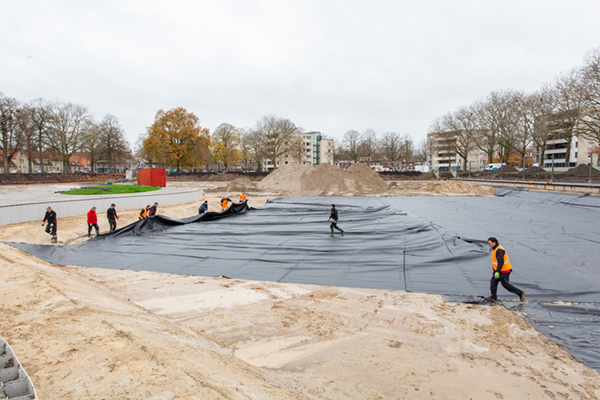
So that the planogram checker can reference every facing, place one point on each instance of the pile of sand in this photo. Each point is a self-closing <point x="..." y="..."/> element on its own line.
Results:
<point x="442" y="188"/>
<point x="581" y="170"/>
<point x="324" y="180"/>
<point x="242" y="184"/>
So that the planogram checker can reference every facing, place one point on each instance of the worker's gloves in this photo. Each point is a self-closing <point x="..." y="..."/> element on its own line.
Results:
<point x="496" y="275"/>
<point x="42" y="224"/>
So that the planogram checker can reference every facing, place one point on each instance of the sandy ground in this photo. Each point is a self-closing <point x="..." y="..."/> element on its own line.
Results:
<point x="87" y="333"/>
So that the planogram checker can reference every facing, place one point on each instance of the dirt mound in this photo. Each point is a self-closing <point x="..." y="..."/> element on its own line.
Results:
<point x="506" y="169"/>
<point x="323" y="179"/>
<point x="242" y="184"/>
<point x="581" y="170"/>
<point x="534" y="170"/>
<point x="442" y="188"/>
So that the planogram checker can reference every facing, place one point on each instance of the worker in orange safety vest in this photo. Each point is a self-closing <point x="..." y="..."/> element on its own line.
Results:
<point x="502" y="268"/>
<point x="243" y="197"/>
<point x="225" y="202"/>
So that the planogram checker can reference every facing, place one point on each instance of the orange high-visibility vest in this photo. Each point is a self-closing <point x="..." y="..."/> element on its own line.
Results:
<point x="143" y="214"/>
<point x="243" y="197"/>
<point x="506" y="266"/>
<point x="224" y="204"/>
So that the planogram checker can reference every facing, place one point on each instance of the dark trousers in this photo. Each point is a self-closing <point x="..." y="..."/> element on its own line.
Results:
<point x="51" y="229"/>
<point x="504" y="280"/>
<point x="113" y="224"/>
<point x="334" y="225"/>
<point x="90" y="229"/>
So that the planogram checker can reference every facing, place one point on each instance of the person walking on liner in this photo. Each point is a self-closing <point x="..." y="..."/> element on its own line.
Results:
<point x="112" y="216"/>
<point x="50" y="217"/>
<point x="334" y="219"/>
<point x="502" y="268"/>
<point x="92" y="221"/>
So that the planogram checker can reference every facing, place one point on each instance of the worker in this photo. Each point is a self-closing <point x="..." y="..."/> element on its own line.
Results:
<point x="203" y="207"/>
<point x="92" y="221"/>
<point x="334" y="219"/>
<point x="502" y="268"/>
<point x="152" y="211"/>
<point x="225" y="203"/>
<point x="50" y="217"/>
<point x="112" y="216"/>
<point x="144" y="212"/>
<point x="243" y="197"/>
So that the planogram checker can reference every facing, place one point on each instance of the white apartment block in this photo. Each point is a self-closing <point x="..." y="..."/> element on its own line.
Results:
<point x="442" y="156"/>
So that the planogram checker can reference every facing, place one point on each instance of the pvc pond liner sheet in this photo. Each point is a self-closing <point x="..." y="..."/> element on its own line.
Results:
<point x="434" y="245"/>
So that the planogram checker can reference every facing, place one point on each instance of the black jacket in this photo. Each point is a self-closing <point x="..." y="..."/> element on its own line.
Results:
<point x="111" y="213"/>
<point x="334" y="214"/>
<point x="50" y="217"/>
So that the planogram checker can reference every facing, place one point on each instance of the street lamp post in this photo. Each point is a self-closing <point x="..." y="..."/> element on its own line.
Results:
<point x="552" y="174"/>
<point x="469" y="169"/>
<point x="591" y="161"/>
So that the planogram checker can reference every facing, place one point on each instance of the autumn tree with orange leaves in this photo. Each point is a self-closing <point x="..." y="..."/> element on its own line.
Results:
<point x="176" y="139"/>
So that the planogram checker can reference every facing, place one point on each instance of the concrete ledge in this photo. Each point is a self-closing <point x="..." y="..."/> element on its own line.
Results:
<point x="553" y="187"/>
<point x="14" y="214"/>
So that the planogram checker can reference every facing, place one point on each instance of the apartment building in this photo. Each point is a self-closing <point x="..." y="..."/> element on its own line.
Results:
<point x="314" y="149"/>
<point x="442" y="155"/>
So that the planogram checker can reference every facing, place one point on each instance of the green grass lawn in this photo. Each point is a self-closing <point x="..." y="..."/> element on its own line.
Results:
<point x="113" y="189"/>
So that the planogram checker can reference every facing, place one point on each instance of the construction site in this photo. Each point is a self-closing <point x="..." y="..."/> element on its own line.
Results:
<point x="258" y="301"/>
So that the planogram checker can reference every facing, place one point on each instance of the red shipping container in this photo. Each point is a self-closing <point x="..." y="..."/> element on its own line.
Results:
<point x="152" y="177"/>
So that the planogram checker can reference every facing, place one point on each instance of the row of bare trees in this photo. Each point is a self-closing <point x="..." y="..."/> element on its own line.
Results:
<point x="509" y="122"/>
<point x="368" y="145"/>
<point x="65" y="129"/>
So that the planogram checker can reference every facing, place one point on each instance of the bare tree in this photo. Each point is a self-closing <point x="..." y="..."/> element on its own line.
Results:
<point x="529" y="106"/>
<point x="352" y="141"/>
<point x="589" y="96"/>
<point x="566" y="107"/>
<point x="113" y="145"/>
<point x="421" y="151"/>
<point x="10" y="138"/>
<point x="497" y="120"/>
<point x="39" y="111"/>
<point x="391" y="144"/>
<point x="245" y="147"/>
<point x="27" y="134"/>
<point x="93" y="147"/>
<point x="67" y="131"/>
<point x="273" y="133"/>
<point x="368" y="143"/>
<point x="463" y="124"/>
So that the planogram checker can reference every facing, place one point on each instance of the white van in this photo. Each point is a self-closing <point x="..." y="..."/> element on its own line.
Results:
<point x="493" y="167"/>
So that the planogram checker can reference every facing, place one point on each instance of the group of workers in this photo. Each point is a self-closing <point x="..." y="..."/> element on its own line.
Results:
<point x="225" y="202"/>
<point x="148" y="211"/>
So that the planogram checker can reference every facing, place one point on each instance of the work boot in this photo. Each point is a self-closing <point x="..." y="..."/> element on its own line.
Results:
<point x="89" y="234"/>
<point x="53" y="240"/>
<point x="342" y="233"/>
<point x="491" y="299"/>
<point x="522" y="296"/>
<point x="331" y="234"/>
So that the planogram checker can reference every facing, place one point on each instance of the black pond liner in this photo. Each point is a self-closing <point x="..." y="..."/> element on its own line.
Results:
<point x="434" y="245"/>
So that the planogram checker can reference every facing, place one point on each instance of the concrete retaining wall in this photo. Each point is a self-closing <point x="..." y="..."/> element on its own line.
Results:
<point x="69" y="208"/>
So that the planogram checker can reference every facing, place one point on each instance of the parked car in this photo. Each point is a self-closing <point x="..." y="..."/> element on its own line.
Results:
<point x="493" y="167"/>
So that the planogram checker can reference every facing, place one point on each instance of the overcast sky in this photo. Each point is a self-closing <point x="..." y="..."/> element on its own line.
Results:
<point x="328" y="66"/>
